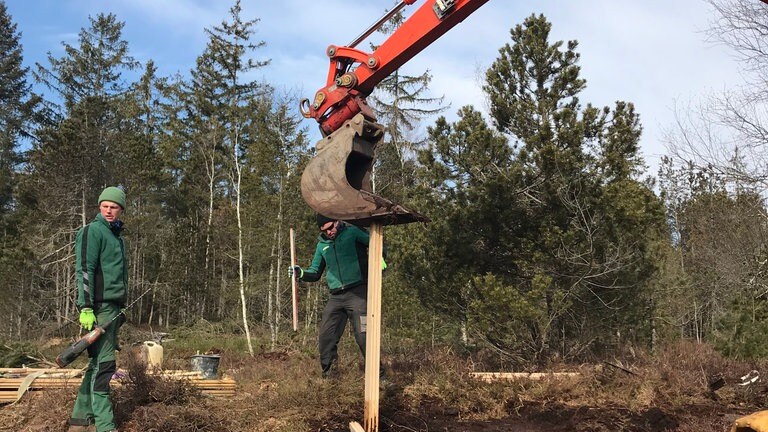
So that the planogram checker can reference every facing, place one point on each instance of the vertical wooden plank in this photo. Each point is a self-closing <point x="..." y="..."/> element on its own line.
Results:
<point x="294" y="288"/>
<point x="373" y="338"/>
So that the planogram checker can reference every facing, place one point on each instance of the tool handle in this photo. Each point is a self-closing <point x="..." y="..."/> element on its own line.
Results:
<point x="73" y="351"/>
<point x="294" y="288"/>
<point x="294" y="285"/>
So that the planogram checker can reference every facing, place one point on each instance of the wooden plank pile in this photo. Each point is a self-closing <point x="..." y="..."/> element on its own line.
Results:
<point x="11" y="379"/>
<point x="222" y="387"/>
<point x="501" y="376"/>
<point x="20" y="380"/>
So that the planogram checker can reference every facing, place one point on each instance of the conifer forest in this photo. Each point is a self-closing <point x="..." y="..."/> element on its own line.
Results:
<point x="548" y="238"/>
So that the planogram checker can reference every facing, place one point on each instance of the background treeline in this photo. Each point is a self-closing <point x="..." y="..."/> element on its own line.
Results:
<point x="547" y="241"/>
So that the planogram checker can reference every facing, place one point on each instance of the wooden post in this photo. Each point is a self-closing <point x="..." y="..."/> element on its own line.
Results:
<point x="294" y="288"/>
<point x="373" y="330"/>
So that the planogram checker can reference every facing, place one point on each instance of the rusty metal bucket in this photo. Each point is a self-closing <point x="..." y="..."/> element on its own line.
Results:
<point x="337" y="181"/>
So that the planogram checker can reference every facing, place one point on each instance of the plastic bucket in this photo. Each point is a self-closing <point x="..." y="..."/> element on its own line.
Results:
<point x="207" y="365"/>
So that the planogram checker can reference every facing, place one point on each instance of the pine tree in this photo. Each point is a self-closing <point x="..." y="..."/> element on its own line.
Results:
<point x="400" y="102"/>
<point x="17" y="105"/>
<point x="88" y="80"/>
<point x="547" y="240"/>
<point x="221" y="96"/>
<point x="142" y="171"/>
<point x="461" y="159"/>
<point x="18" y="112"/>
<point x="276" y="152"/>
<point x="79" y="154"/>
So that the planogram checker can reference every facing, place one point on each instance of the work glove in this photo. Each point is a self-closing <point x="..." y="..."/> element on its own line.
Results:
<point x="295" y="270"/>
<point x="87" y="318"/>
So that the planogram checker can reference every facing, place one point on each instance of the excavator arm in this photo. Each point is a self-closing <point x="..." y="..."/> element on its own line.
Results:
<point x="336" y="182"/>
<point x="353" y="74"/>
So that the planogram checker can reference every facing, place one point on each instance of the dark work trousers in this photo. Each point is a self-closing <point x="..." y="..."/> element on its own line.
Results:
<point x="93" y="404"/>
<point x="349" y="304"/>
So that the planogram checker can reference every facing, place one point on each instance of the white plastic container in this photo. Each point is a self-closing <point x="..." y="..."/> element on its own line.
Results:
<point x="152" y="353"/>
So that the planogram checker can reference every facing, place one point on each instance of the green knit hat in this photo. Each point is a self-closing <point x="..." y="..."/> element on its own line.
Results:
<point x="116" y="195"/>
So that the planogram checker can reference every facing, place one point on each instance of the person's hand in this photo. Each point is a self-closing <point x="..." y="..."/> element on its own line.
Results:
<point x="121" y="317"/>
<point x="87" y="318"/>
<point x="295" y="270"/>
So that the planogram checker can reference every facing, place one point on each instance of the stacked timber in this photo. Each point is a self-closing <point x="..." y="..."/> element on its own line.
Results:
<point x="222" y="387"/>
<point x="14" y="382"/>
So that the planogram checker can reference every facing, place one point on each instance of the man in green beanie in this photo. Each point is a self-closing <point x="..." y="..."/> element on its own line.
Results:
<point x="102" y="282"/>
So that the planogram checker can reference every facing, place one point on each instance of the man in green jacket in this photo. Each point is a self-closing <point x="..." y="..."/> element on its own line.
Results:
<point x="102" y="283"/>
<point x="342" y="250"/>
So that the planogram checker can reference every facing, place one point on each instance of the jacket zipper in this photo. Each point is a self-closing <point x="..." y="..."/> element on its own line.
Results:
<point x="338" y="266"/>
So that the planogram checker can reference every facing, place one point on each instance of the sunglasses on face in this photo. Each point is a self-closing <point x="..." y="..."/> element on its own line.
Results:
<point x="330" y="227"/>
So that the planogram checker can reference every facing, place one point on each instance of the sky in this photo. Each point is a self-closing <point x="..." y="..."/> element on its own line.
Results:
<point x="653" y="53"/>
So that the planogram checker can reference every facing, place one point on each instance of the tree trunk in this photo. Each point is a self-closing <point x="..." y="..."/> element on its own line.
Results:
<point x="211" y="171"/>
<point x="279" y="258"/>
<point x="240" y="258"/>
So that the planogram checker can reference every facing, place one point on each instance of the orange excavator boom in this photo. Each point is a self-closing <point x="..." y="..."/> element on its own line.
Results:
<point x="353" y="74"/>
<point x="336" y="182"/>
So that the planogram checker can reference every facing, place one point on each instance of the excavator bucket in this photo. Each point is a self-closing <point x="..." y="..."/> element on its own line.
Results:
<point x="337" y="181"/>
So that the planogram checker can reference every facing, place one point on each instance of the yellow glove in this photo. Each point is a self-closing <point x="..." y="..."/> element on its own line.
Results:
<point x="87" y="318"/>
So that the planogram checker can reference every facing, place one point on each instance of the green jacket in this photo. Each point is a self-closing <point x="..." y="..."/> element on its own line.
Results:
<point x="100" y="265"/>
<point x="345" y="258"/>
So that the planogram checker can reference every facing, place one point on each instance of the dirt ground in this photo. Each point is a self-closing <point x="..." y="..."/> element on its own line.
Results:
<point x="47" y="412"/>
<point x="282" y="392"/>
<point x="550" y="418"/>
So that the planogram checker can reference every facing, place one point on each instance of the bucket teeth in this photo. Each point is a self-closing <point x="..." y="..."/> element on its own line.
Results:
<point x="336" y="182"/>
